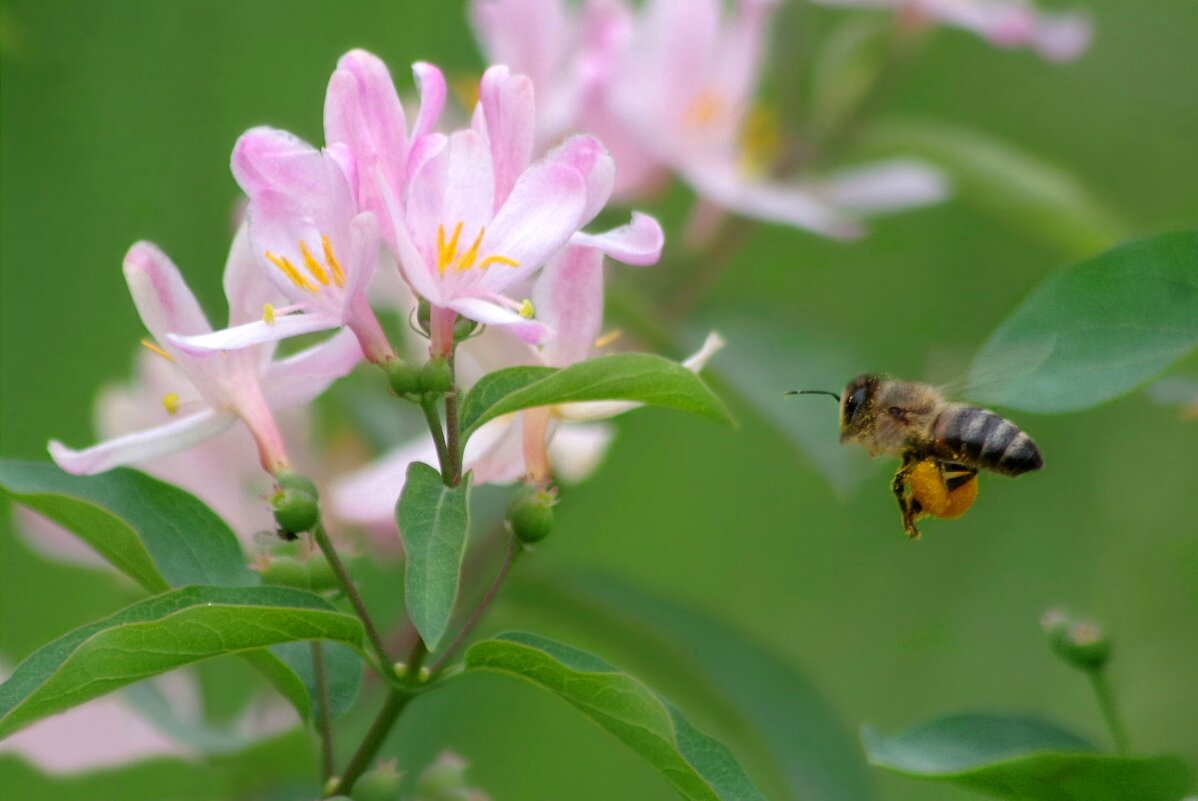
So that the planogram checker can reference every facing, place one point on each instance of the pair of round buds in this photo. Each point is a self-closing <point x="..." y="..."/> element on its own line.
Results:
<point x="433" y="378"/>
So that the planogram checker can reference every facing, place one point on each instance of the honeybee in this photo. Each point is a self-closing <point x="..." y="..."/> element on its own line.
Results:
<point x="943" y="445"/>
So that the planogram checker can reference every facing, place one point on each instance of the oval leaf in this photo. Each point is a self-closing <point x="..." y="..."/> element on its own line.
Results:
<point x="787" y="720"/>
<point x="434" y="521"/>
<point x="1096" y="330"/>
<point x="696" y="765"/>
<point x="161" y="634"/>
<point x="153" y="532"/>
<point x="1021" y="189"/>
<point x="637" y="377"/>
<point x="1024" y="758"/>
<point x="162" y="537"/>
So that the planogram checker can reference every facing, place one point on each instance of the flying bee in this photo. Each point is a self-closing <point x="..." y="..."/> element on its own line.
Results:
<point x="943" y="445"/>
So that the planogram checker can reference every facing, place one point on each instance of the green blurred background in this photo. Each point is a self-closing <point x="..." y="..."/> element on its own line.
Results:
<point x="116" y="121"/>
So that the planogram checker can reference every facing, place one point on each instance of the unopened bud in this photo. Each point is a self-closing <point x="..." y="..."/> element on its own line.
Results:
<point x="296" y="508"/>
<point x="404" y="377"/>
<point x="1081" y="643"/>
<point x="436" y="377"/>
<point x="314" y="574"/>
<point x="530" y="513"/>
<point x="463" y="327"/>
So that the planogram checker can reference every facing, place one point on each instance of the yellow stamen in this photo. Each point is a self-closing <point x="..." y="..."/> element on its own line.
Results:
<point x="470" y="255"/>
<point x="314" y="267"/>
<point x="526" y="309"/>
<point x="288" y="269"/>
<point x="268" y="314"/>
<point x="334" y="265"/>
<point x="608" y="338"/>
<point x="504" y="260"/>
<point x="154" y="347"/>
<point x="170" y="402"/>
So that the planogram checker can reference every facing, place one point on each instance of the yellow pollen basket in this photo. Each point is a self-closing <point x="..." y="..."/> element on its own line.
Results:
<point x="448" y="256"/>
<point x="155" y="348"/>
<point x="323" y="274"/>
<point x="170" y="402"/>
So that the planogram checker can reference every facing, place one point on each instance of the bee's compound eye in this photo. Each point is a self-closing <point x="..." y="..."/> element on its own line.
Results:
<point x="854" y="401"/>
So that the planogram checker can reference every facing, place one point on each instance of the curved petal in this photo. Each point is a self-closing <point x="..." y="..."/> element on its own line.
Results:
<point x="506" y="116"/>
<point x="488" y="313"/>
<point x="247" y="289"/>
<point x="698" y="360"/>
<point x="542" y="212"/>
<point x="173" y="437"/>
<point x="299" y="379"/>
<point x="162" y="297"/>
<point x="588" y="155"/>
<point x="495" y="454"/>
<point x="638" y="243"/>
<point x="368" y="496"/>
<point x="591" y="411"/>
<point x="884" y="187"/>
<point x="255" y="333"/>
<point x="412" y="265"/>
<point x="793" y="205"/>
<point x="568" y="297"/>
<point x="268" y="159"/>
<point x="430" y="83"/>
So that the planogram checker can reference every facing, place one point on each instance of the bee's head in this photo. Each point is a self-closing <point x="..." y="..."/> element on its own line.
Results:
<point x="857" y="407"/>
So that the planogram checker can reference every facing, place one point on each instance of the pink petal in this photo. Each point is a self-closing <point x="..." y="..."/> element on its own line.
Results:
<point x="430" y="83"/>
<point x="577" y="449"/>
<point x="412" y="264"/>
<point x="367" y="496"/>
<point x="488" y="313"/>
<point x="883" y="187"/>
<point x="1062" y="37"/>
<point x="246" y="286"/>
<point x="794" y="205"/>
<point x="506" y="117"/>
<point x="160" y="294"/>
<point x="257" y="332"/>
<point x="638" y="243"/>
<point x="299" y="379"/>
<point x="269" y="160"/>
<point x="741" y="49"/>
<point x="495" y="454"/>
<point x="453" y="185"/>
<point x="568" y="298"/>
<point x="588" y="155"/>
<point x="141" y="446"/>
<point x="542" y="213"/>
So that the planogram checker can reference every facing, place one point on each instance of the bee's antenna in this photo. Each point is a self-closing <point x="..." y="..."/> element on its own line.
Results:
<point x="813" y="392"/>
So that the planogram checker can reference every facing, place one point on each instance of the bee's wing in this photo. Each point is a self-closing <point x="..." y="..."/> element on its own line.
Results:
<point x="992" y="373"/>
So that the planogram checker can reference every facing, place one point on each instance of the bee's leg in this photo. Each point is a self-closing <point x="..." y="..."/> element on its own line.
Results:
<point x="909" y="507"/>
<point x="962" y="483"/>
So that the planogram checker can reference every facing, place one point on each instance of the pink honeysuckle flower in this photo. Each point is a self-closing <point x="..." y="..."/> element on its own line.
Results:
<point x="214" y="390"/>
<point x="670" y="91"/>
<point x="1004" y="23"/>
<point x="480" y="218"/>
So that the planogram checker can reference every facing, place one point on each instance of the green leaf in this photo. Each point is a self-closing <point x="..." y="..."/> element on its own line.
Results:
<point x="1024" y="758"/>
<point x="638" y="377"/>
<point x="162" y="537"/>
<point x="434" y="521"/>
<point x="160" y="634"/>
<point x="1097" y="330"/>
<point x="1033" y="196"/>
<point x="696" y="765"/>
<point x="153" y="532"/>
<point x="785" y="721"/>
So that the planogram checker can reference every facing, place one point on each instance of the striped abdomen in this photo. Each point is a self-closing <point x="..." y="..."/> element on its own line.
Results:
<point x="980" y="438"/>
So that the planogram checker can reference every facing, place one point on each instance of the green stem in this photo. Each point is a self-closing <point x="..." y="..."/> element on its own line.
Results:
<point x="355" y="598"/>
<point x="513" y="551"/>
<point x="1106" y="701"/>
<point x="372" y="742"/>
<point x="434" y="427"/>
<point x="453" y="428"/>
<point x="324" y="721"/>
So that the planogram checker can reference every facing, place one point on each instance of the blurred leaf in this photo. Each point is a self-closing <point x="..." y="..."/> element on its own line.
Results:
<point x="1024" y="758"/>
<point x="162" y="536"/>
<point x="1096" y="330"/>
<point x="342" y="667"/>
<point x="434" y="521"/>
<point x="160" y="634"/>
<point x="153" y="532"/>
<point x="638" y="377"/>
<point x="1033" y="196"/>
<point x="696" y="765"/>
<point x="848" y="68"/>
<point x="786" y="718"/>
<point x="265" y="765"/>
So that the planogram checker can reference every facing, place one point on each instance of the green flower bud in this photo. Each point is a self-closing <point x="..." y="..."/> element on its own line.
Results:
<point x="295" y="511"/>
<point x="404" y="378"/>
<point x="530" y="513"/>
<point x="289" y="480"/>
<point x="1080" y="643"/>
<point x="436" y="377"/>
<point x="380" y="784"/>
<point x="285" y="571"/>
<point x="463" y="327"/>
